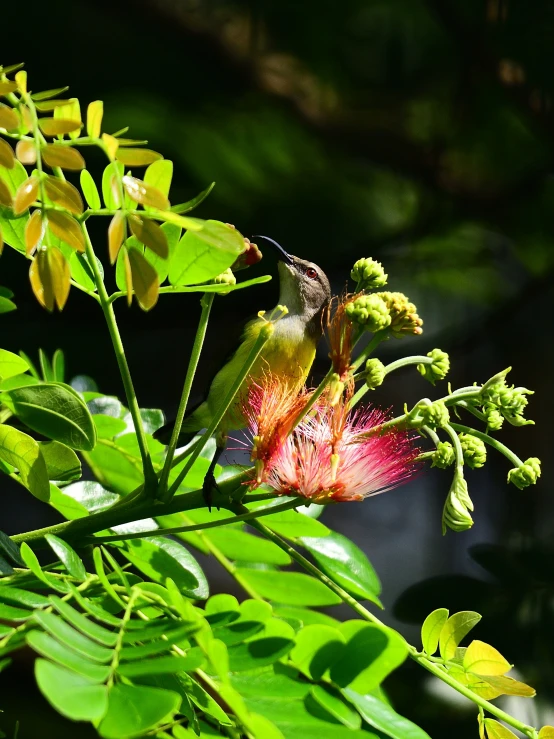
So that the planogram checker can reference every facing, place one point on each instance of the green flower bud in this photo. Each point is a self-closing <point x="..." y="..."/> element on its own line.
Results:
<point x="225" y="278"/>
<point x="443" y="456"/>
<point x="403" y="314"/>
<point x="368" y="274"/>
<point x="455" y="514"/>
<point x="508" y="400"/>
<point x="370" y="311"/>
<point x="474" y="449"/>
<point x="434" y="415"/>
<point x="438" y="368"/>
<point x="495" y="419"/>
<point x="374" y="373"/>
<point x="527" y="474"/>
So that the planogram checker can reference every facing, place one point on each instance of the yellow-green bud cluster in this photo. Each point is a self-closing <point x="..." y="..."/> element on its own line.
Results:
<point x="435" y="415"/>
<point x="404" y="319"/>
<point x="474" y="449"/>
<point x="374" y="373"/>
<point x="458" y="504"/>
<point x="504" y="401"/>
<point x="225" y="278"/>
<point x="495" y="419"/>
<point x="443" y="456"/>
<point x="368" y="274"/>
<point x="527" y="474"/>
<point x="438" y="368"/>
<point x="369" y="311"/>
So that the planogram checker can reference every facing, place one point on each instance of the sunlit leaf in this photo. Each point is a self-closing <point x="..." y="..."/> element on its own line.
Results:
<point x="547" y="732"/>
<point x="289" y="588"/>
<point x="72" y="695"/>
<point x="11" y="364"/>
<point x="150" y="234"/>
<point x="507" y="685"/>
<point x="55" y="126"/>
<point x="133" y="710"/>
<point x="23" y="453"/>
<point x="8" y="118"/>
<point x="71" y="111"/>
<point x="90" y="190"/>
<point x="34" y="231"/>
<point x="66" y="228"/>
<point x="26" y="152"/>
<point x="60" y="275"/>
<point x="62" y="463"/>
<point x="454" y="631"/>
<point x="484" y="659"/>
<point x="431" y="629"/>
<point x="144" y="194"/>
<point x="116" y="235"/>
<point x="68" y="556"/>
<point x="56" y="155"/>
<point x="383" y="717"/>
<point x="145" y="280"/>
<point x="41" y="279"/>
<point x="317" y="648"/>
<point x="194" y="202"/>
<point x="159" y="175"/>
<point x="64" y="194"/>
<point x="95" y="111"/>
<point x="7" y="158"/>
<point x="111" y="145"/>
<point x="48" y="106"/>
<point x="47" y="94"/>
<point x="7" y="86"/>
<point x="26" y="194"/>
<point x="21" y="79"/>
<point x="332" y="701"/>
<point x="5" y="195"/>
<point x="496" y="730"/>
<point x="137" y="157"/>
<point x="110" y="188"/>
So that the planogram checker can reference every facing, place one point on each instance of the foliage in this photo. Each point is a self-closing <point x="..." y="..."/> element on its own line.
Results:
<point x="126" y="634"/>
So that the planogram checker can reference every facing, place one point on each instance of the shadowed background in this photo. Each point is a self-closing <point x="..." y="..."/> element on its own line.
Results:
<point x="420" y="133"/>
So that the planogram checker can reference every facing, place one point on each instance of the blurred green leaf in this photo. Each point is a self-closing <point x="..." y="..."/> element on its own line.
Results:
<point x="11" y="364"/>
<point x="72" y="695"/>
<point x="383" y="717"/>
<point x="90" y="191"/>
<point x="23" y="453"/>
<point x="331" y="700"/>
<point x="431" y="629"/>
<point x="290" y="588"/>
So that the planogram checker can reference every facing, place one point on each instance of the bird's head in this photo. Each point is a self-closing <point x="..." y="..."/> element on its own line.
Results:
<point x="305" y="289"/>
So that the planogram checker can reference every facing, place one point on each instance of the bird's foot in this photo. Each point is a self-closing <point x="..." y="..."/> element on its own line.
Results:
<point x="208" y="486"/>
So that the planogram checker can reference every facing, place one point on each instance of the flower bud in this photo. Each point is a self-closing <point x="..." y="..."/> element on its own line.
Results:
<point x="474" y="449"/>
<point x="370" y="311"/>
<point x="455" y="514"/>
<point x="527" y="474"/>
<point x="438" y="368"/>
<point x="495" y="419"/>
<point x="374" y="373"/>
<point x="403" y="314"/>
<point x="434" y="415"/>
<point x="368" y="274"/>
<point x="335" y="389"/>
<point x="251" y="255"/>
<point x="509" y="401"/>
<point x="443" y="456"/>
<point x="225" y="278"/>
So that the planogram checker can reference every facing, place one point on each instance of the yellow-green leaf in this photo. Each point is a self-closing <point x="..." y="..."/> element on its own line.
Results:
<point x="145" y="280"/>
<point x="65" y="194"/>
<point x="66" y="228"/>
<point x="56" y="155"/>
<point x="46" y="94"/>
<point x="128" y="277"/>
<point x="23" y="453"/>
<point x="454" y="631"/>
<point x="137" y="157"/>
<point x="95" y="111"/>
<point x="90" y="190"/>
<point x="21" y="79"/>
<point x="70" y="112"/>
<point x="159" y="175"/>
<point x="507" y="685"/>
<point x="5" y="195"/>
<point x="61" y="276"/>
<point x="7" y="86"/>
<point x="547" y="732"/>
<point x="26" y="152"/>
<point x="56" y="126"/>
<point x="483" y="659"/>
<point x="41" y="279"/>
<point x="1" y="250"/>
<point x="34" y="231"/>
<point x="431" y="629"/>
<point x="145" y="194"/>
<point x="111" y="145"/>
<point x="8" y="118"/>
<point x="150" y="234"/>
<point x="496" y="730"/>
<point x="26" y="194"/>
<point x="116" y="235"/>
<point x="49" y="105"/>
<point x="7" y="158"/>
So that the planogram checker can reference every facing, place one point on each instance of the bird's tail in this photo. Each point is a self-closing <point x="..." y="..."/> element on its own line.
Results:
<point x="163" y="435"/>
<point x="192" y="424"/>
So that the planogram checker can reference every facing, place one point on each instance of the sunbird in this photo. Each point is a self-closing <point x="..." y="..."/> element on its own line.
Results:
<point x="288" y="354"/>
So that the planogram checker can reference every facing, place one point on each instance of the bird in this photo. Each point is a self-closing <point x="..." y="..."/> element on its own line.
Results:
<point x="288" y="354"/>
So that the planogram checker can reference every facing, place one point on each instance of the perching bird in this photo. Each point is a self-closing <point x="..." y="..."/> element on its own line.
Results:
<point x="289" y="353"/>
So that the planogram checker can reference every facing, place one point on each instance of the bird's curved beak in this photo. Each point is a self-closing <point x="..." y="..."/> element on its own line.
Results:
<point x="282" y="255"/>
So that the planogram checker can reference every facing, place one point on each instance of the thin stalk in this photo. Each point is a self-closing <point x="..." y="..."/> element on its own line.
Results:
<point x="109" y="315"/>
<point x="373" y="344"/>
<point x="206" y="303"/>
<point x="405" y="361"/>
<point x="216" y="420"/>
<point x="491" y="441"/>
<point x="314" y="398"/>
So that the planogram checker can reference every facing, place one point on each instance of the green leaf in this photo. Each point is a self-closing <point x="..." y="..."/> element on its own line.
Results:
<point x="115" y="467"/>
<point x="90" y="191"/>
<point x="331" y="701"/>
<point x="54" y="410"/>
<point x="91" y="495"/>
<point x="194" y="202"/>
<point x="292" y="524"/>
<point x="289" y="588"/>
<point x="346" y="564"/>
<point x="68" y="556"/>
<point x="159" y="175"/>
<point x="10" y="549"/>
<point x="6" y="305"/>
<point x="484" y="659"/>
<point x="61" y="462"/>
<point x="11" y="364"/>
<point x="496" y="730"/>
<point x="370" y="654"/>
<point x="13" y="232"/>
<point x="306" y="616"/>
<point x="23" y="453"/>
<point x="25" y="598"/>
<point x="109" y="173"/>
<point x="204" y="254"/>
<point x="237" y="632"/>
<point x="238" y="545"/>
<point x="133" y="710"/>
<point x="69" y="636"/>
<point x="383" y="717"/>
<point x="317" y="649"/>
<point x="262" y="727"/>
<point x="64" y="504"/>
<point x="49" y="647"/>
<point x="159" y="558"/>
<point x="156" y="666"/>
<point x="81" y="270"/>
<point x="270" y="684"/>
<point x="431" y="629"/>
<point x="258" y="653"/>
<point x="72" y="695"/>
<point x="14" y="177"/>
<point x="161" y="265"/>
<point x="454" y="631"/>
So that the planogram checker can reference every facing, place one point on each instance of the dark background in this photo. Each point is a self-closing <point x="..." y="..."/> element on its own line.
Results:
<point x="417" y="132"/>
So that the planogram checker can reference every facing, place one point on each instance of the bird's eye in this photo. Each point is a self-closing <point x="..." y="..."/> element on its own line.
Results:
<point x="311" y="273"/>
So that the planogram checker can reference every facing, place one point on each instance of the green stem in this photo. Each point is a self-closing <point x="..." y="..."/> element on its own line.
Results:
<point x="373" y="344"/>
<point x="216" y="420"/>
<point x="109" y="315"/>
<point x="491" y="441"/>
<point x="405" y="361"/>
<point x="314" y="398"/>
<point x="439" y="672"/>
<point x="206" y="303"/>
